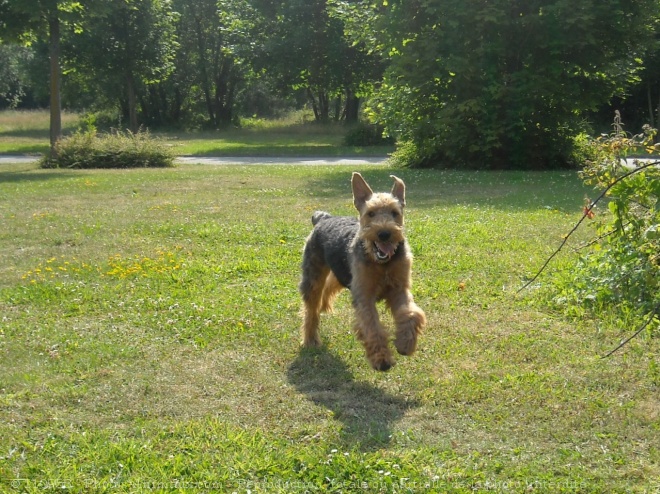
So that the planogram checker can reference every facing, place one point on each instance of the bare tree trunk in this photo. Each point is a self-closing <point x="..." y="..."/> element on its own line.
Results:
<point x="352" y="110"/>
<point x="338" y="112"/>
<point x="310" y="95"/>
<point x="650" y="102"/>
<point x="55" y="80"/>
<point x="132" y="103"/>
<point x="206" y="89"/>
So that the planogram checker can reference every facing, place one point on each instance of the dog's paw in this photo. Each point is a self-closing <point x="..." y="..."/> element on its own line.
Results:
<point x="383" y="365"/>
<point x="405" y="342"/>
<point x="408" y="327"/>
<point x="381" y="361"/>
<point x="311" y="343"/>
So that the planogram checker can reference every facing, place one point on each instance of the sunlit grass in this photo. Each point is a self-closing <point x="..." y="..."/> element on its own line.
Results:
<point x="149" y="342"/>
<point x="295" y="135"/>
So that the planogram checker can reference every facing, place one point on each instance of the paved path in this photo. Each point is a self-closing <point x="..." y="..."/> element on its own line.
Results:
<point x="208" y="160"/>
<point x="280" y="160"/>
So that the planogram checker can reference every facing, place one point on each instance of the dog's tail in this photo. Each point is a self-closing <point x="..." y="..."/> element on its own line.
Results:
<point x="318" y="216"/>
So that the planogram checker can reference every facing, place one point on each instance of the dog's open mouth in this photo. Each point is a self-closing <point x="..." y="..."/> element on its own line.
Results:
<point x="384" y="250"/>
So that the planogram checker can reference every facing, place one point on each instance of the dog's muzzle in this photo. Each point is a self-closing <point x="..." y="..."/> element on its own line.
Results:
<point x="383" y="249"/>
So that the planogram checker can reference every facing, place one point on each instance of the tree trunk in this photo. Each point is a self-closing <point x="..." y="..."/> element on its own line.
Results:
<point x="310" y="95"/>
<point x="224" y="95"/>
<point x="55" y="80"/>
<point x="132" y="103"/>
<point x="201" y="53"/>
<point x="324" y="106"/>
<point x="338" y="112"/>
<point x="352" y="111"/>
<point x="650" y="102"/>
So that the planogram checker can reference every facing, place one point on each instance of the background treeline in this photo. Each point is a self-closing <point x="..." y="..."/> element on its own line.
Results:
<point x="504" y="83"/>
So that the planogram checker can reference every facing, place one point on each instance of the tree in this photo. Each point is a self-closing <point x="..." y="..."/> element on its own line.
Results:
<point x="216" y="39"/>
<point x="28" y="20"/>
<point x="501" y="83"/>
<point x="307" y="49"/>
<point x="13" y="59"/>
<point x="124" y="46"/>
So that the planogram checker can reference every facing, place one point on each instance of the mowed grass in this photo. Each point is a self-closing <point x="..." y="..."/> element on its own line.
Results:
<point x="26" y="132"/>
<point x="149" y="342"/>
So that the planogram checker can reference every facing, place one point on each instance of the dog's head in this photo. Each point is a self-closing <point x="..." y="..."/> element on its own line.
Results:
<point x="381" y="217"/>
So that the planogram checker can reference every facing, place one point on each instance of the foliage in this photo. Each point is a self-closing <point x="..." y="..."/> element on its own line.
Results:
<point x="365" y="134"/>
<point x="213" y="60"/>
<point x="621" y="269"/>
<point x="138" y="50"/>
<point x="103" y="120"/>
<point x="501" y="84"/>
<point x="113" y="150"/>
<point x="307" y="50"/>
<point x="13" y="61"/>
<point x="32" y="20"/>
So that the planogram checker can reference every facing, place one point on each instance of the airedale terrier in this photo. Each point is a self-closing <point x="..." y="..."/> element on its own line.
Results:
<point x="370" y="257"/>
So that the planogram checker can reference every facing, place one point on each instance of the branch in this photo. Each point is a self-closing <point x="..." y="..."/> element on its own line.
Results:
<point x="599" y="238"/>
<point x="625" y="342"/>
<point x="586" y="213"/>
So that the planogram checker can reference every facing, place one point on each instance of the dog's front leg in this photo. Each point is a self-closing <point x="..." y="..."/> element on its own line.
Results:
<point x="373" y="336"/>
<point x="409" y="320"/>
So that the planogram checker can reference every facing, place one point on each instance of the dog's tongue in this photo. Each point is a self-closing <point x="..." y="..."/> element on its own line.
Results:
<point x="386" y="248"/>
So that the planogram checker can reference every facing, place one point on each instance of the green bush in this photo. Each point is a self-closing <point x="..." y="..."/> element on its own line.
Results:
<point x="112" y="150"/>
<point x="621" y="269"/>
<point x="103" y="120"/>
<point x="365" y="134"/>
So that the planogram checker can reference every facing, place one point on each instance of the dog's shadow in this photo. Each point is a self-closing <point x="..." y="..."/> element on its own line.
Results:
<point x="367" y="413"/>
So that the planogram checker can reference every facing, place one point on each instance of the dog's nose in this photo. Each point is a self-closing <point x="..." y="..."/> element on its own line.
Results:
<point x="384" y="235"/>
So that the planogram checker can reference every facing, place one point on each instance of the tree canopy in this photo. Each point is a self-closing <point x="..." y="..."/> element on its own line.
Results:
<point x="501" y="83"/>
<point x="459" y="83"/>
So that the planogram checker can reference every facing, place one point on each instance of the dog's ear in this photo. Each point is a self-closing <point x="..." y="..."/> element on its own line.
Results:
<point x="399" y="190"/>
<point x="361" y="191"/>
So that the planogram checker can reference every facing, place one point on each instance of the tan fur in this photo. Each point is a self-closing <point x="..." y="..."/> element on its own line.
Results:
<point x="374" y="278"/>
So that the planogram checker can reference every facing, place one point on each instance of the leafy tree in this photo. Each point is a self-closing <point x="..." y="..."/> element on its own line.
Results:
<point x="13" y="60"/>
<point x="308" y="50"/>
<point x="216" y="39"/>
<point x="500" y="83"/>
<point x="640" y="104"/>
<point x="124" y="46"/>
<point x="27" y="20"/>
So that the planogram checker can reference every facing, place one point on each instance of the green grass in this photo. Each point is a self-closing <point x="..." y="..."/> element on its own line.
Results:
<point x="27" y="133"/>
<point x="149" y="342"/>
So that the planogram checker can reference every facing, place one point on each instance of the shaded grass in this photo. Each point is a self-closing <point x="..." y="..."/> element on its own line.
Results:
<point x="149" y="342"/>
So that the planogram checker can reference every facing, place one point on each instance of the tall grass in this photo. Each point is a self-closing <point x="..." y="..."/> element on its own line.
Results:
<point x="33" y="123"/>
<point x="294" y="135"/>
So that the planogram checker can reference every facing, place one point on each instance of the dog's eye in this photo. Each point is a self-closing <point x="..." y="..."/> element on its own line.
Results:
<point x="395" y="213"/>
<point x="371" y="214"/>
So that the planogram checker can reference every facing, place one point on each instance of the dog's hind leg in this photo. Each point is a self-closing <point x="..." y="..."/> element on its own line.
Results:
<point x="314" y="275"/>
<point x="330" y="291"/>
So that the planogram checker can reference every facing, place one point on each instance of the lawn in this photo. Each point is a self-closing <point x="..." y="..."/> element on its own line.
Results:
<point x="149" y="342"/>
<point x="26" y="132"/>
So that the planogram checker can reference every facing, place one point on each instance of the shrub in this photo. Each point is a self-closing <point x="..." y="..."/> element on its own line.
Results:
<point x="103" y="120"/>
<point x="622" y="266"/>
<point x="112" y="150"/>
<point x="365" y="134"/>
